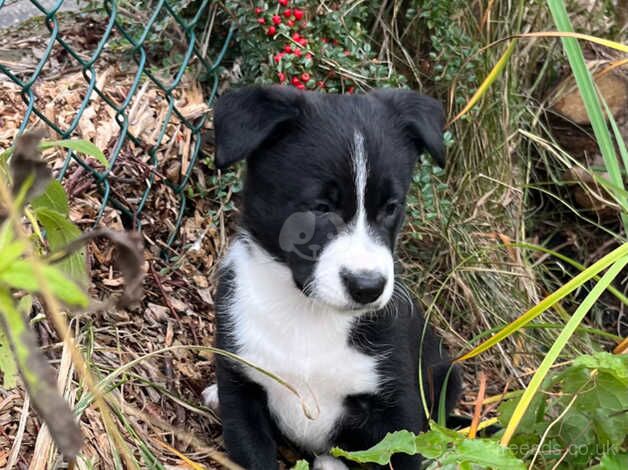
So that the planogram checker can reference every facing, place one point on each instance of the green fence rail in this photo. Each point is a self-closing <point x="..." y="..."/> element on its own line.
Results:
<point x="119" y="28"/>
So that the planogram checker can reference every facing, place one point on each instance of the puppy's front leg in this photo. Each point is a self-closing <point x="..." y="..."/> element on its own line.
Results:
<point x="370" y="418"/>
<point x="247" y="427"/>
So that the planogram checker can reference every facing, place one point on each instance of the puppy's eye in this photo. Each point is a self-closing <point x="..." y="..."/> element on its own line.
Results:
<point x="323" y="207"/>
<point x="390" y="208"/>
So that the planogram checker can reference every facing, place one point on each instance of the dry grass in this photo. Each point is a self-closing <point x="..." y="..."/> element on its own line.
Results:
<point x="462" y="263"/>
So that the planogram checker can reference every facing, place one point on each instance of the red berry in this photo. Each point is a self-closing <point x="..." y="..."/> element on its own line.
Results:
<point x="350" y="90"/>
<point x="271" y="31"/>
<point x="276" y="19"/>
<point x="308" y="56"/>
<point x="281" y="76"/>
<point x="278" y="57"/>
<point x="283" y="3"/>
<point x="287" y="13"/>
<point x="298" y="52"/>
<point x="324" y="40"/>
<point x="296" y="36"/>
<point x="261" y="21"/>
<point x="295" y="80"/>
<point x="321" y="84"/>
<point x="259" y="11"/>
<point x="305" y="77"/>
<point x="300" y="86"/>
<point x="302" y="41"/>
<point x="347" y="53"/>
<point x="288" y="48"/>
<point x="290" y="23"/>
<point x="298" y="14"/>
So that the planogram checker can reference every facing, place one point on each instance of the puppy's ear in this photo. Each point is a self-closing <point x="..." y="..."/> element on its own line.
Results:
<point x="422" y="117"/>
<point x="245" y="118"/>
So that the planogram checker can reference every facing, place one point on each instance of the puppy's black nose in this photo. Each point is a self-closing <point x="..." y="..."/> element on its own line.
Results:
<point x="363" y="286"/>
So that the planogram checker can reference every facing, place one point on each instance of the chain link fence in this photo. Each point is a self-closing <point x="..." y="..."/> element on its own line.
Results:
<point x="136" y="78"/>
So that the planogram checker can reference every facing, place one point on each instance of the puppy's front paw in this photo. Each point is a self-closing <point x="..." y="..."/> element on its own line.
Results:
<point x="210" y="397"/>
<point x="327" y="462"/>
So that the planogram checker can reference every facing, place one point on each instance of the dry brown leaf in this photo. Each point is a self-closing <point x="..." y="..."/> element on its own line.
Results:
<point x="26" y="162"/>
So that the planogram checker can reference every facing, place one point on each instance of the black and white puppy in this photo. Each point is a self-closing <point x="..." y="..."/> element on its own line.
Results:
<point x="308" y="290"/>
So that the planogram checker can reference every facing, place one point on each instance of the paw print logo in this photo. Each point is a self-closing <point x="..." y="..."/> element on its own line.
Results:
<point x="305" y="235"/>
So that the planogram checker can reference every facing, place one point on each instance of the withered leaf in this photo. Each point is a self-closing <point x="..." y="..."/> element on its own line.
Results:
<point x="26" y="162"/>
<point x="130" y="259"/>
<point x="39" y="379"/>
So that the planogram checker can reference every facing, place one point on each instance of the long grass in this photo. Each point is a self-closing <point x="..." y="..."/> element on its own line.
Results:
<point x="558" y="346"/>
<point x="617" y="260"/>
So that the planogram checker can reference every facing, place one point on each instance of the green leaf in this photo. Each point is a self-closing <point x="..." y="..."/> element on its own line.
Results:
<point x="54" y="197"/>
<point x="431" y="445"/>
<point x="20" y="275"/>
<point x="533" y="419"/>
<point x="5" y="154"/>
<point x="60" y="231"/>
<point x="614" y="364"/>
<point x="614" y="462"/>
<point x="399" y="441"/>
<point x="599" y="416"/>
<point x="590" y="396"/>
<point x="301" y="465"/>
<point x="10" y="253"/>
<point x="6" y="234"/>
<point x="446" y="446"/>
<point x="8" y="367"/>
<point x="486" y="453"/>
<point x="82" y="146"/>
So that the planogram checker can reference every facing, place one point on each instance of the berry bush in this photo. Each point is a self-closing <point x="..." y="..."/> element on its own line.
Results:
<point x="309" y="45"/>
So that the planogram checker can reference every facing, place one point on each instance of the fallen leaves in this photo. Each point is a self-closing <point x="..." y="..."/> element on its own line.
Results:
<point x="24" y="270"/>
<point x="130" y="258"/>
<point x="145" y="163"/>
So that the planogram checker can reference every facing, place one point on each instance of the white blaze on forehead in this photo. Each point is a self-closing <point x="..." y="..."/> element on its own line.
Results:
<point x="356" y="248"/>
<point x="360" y="174"/>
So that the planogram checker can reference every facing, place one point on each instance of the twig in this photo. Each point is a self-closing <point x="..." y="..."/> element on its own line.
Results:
<point x="162" y="291"/>
<point x="477" y="412"/>
<point x="19" y="435"/>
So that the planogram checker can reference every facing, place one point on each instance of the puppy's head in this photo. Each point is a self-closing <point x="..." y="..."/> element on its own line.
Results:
<point x="327" y="177"/>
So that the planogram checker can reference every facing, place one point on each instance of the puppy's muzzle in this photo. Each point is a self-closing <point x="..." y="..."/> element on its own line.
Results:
<point x="364" y="287"/>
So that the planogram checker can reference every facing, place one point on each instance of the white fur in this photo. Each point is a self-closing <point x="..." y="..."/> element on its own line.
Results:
<point x="327" y="462"/>
<point x="210" y="397"/>
<point x="355" y="249"/>
<point x="302" y="340"/>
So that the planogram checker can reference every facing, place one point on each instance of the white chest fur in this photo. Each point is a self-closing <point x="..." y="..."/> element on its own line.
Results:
<point x="304" y="342"/>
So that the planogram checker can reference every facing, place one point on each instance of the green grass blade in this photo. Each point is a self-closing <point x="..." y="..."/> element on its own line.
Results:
<point x="558" y="346"/>
<point x="589" y="95"/>
<point x="553" y="326"/>
<point x="547" y="302"/>
<point x="531" y="246"/>
<point x="619" y="138"/>
<point x="488" y="81"/>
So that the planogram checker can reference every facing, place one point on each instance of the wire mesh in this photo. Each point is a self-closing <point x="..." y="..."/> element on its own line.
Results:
<point x="135" y="30"/>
